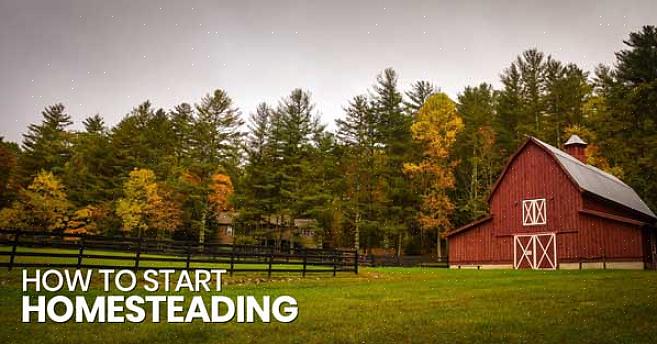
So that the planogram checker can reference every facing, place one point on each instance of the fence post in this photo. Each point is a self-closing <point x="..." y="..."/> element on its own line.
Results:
<point x="80" y="251"/>
<point x="271" y="260"/>
<point x="189" y="255"/>
<point x="335" y="265"/>
<point x="356" y="262"/>
<point x="13" y="250"/>
<point x="138" y="254"/>
<point x="305" y="257"/>
<point x="232" y="259"/>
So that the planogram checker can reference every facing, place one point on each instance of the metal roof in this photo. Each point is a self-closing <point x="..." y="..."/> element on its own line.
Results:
<point x="574" y="139"/>
<point x="597" y="181"/>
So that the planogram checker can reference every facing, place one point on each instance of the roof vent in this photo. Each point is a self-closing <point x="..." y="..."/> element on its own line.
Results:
<point x="576" y="147"/>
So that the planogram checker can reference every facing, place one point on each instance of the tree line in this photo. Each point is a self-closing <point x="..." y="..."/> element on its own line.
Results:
<point x="400" y="168"/>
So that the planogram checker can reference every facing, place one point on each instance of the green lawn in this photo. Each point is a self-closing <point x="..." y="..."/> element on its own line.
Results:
<point x="392" y="305"/>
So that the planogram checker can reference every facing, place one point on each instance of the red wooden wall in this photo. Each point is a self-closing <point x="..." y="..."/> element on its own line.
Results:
<point x="534" y="173"/>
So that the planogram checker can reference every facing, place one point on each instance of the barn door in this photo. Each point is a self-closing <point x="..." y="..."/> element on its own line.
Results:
<point x="535" y="251"/>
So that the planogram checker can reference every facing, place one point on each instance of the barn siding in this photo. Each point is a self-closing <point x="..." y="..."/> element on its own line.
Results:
<point x="592" y="203"/>
<point x="534" y="173"/>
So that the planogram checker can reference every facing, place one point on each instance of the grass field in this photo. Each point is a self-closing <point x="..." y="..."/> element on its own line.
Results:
<point x="392" y="305"/>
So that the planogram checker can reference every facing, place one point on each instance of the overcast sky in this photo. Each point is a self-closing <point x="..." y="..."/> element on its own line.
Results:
<point x="108" y="56"/>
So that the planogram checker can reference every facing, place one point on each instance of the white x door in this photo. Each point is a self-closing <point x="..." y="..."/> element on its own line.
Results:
<point x="535" y="251"/>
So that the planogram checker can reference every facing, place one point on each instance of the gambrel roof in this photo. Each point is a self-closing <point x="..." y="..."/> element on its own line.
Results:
<point x="598" y="182"/>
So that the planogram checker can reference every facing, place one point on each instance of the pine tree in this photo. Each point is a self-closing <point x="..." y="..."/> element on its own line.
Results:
<point x="9" y="153"/>
<point x="479" y="161"/>
<point x="215" y="130"/>
<point x="359" y="133"/>
<point x="296" y="131"/>
<point x="419" y="93"/>
<point x="627" y="123"/>
<point x="395" y="138"/>
<point x="90" y="174"/>
<point x="46" y="146"/>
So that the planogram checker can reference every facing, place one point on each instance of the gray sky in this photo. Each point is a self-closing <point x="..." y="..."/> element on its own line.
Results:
<point x="108" y="56"/>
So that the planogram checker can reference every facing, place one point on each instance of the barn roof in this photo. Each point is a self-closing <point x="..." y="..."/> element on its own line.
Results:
<point x="598" y="182"/>
<point x="574" y="140"/>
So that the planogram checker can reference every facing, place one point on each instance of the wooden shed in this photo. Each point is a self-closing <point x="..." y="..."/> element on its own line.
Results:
<point x="550" y="210"/>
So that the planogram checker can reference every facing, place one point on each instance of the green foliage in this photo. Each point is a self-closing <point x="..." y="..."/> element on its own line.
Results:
<point x="478" y="151"/>
<point x="626" y="120"/>
<point x="46" y="146"/>
<point x="9" y="153"/>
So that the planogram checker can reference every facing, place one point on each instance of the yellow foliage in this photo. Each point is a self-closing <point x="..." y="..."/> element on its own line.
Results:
<point x="436" y="126"/>
<point x="42" y="206"/>
<point x="145" y="206"/>
<point x="83" y="221"/>
<point x="221" y="190"/>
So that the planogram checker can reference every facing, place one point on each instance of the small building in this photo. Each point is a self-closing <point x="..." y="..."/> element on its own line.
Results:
<point x="550" y="210"/>
<point x="298" y="232"/>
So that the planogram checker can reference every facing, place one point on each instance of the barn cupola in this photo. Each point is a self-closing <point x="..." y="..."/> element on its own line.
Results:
<point x="576" y="147"/>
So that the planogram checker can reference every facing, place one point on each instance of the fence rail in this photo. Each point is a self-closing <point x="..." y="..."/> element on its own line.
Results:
<point x="406" y="261"/>
<point x="81" y="251"/>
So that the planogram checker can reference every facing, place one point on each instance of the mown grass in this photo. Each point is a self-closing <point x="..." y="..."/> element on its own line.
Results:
<point x="393" y="305"/>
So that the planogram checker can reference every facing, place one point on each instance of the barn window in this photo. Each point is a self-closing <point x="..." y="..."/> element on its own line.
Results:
<point x="533" y="212"/>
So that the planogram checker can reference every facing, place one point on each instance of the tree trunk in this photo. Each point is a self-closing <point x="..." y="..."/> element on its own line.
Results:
<point x="357" y="233"/>
<point x="201" y="234"/>
<point x="439" y="246"/>
<point x="277" y="244"/>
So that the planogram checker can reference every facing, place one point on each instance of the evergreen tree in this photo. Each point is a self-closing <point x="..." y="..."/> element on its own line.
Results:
<point x="215" y="129"/>
<point x="359" y="133"/>
<point x="90" y="174"/>
<point x="420" y="91"/>
<point x="9" y="153"/>
<point x="395" y="138"/>
<point x="480" y="163"/>
<point x="627" y="123"/>
<point x="46" y="146"/>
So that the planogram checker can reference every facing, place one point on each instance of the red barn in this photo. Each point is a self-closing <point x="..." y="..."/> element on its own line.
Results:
<point x="551" y="210"/>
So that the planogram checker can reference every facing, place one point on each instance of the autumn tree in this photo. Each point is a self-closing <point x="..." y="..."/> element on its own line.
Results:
<point x="221" y="192"/>
<point x="145" y="206"/>
<point x="435" y="127"/>
<point x="42" y="206"/>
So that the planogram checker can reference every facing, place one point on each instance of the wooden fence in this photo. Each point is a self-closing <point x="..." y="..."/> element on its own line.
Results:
<point x="405" y="261"/>
<point x="59" y="250"/>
